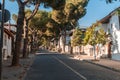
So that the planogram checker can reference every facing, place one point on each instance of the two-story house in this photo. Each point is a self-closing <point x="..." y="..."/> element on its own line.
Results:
<point x="111" y="25"/>
<point x="8" y="40"/>
<point x="64" y="46"/>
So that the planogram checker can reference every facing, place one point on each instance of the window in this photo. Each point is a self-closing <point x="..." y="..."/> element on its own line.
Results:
<point x="108" y="30"/>
<point x="111" y="26"/>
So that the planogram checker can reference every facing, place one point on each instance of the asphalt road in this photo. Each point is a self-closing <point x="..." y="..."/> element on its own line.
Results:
<point x="62" y="67"/>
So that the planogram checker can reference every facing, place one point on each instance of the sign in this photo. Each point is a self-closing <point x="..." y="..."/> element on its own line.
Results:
<point x="6" y="15"/>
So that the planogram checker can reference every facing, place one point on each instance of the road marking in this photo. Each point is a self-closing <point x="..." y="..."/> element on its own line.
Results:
<point x="81" y="76"/>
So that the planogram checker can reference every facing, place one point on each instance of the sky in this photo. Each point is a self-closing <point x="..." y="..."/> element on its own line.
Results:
<point x="96" y="10"/>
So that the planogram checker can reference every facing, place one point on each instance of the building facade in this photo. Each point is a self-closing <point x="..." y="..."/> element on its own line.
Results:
<point x="8" y="40"/>
<point x="111" y="25"/>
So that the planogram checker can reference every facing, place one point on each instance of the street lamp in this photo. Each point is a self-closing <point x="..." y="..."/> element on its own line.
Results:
<point x="1" y="35"/>
<point x="4" y="17"/>
<point x="0" y="6"/>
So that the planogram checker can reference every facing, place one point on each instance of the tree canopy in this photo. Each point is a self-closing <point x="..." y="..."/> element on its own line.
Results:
<point x="94" y="36"/>
<point x="72" y="12"/>
<point x="77" y="37"/>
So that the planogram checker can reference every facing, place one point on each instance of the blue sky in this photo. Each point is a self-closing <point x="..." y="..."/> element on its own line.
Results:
<point x="96" y="10"/>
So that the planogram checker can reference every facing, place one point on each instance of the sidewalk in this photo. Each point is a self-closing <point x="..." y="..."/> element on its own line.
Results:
<point x="16" y="73"/>
<point x="106" y="63"/>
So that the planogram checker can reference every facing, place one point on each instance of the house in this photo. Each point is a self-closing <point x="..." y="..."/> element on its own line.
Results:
<point x="79" y="49"/>
<point x="8" y="40"/>
<point x="111" y="25"/>
<point x="64" y="47"/>
<point x="68" y="38"/>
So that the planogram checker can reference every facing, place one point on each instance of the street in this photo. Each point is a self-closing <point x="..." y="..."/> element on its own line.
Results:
<point x="51" y="66"/>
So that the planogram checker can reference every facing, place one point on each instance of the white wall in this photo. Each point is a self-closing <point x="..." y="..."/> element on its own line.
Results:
<point x="114" y="28"/>
<point x="7" y="46"/>
<point x="76" y="49"/>
<point x="67" y="39"/>
<point x="115" y="21"/>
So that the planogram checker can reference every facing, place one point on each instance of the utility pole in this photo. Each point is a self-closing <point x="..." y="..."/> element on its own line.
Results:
<point x="1" y="36"/>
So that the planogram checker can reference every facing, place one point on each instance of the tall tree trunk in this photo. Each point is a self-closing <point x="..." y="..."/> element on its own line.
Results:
<point x="13" y="48"/>
<point x="35" y="41"/>
<point x="109" y="50"/>
<point x="71" y="49"/>
<point x="20" y="21"/>
<point x="64" y="40"/>
<point x="25" y="52"/>
<point x="48" y="43"/>
<point x="94" y="51"/>
<point x="64" y="44"/>
<point x="31" y="43"/>
<point x="55" y="44"/>
<point x="59" y="48"/>
<point x="26" y="20"/>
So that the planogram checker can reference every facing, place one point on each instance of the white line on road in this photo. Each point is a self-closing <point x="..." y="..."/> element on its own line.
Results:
<point x="81" y="76"/>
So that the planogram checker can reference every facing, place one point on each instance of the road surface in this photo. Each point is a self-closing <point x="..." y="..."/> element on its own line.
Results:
<point x="50" y="66"/>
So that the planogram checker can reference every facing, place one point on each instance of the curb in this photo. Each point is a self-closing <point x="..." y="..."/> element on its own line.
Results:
<point x="32" y="60"/>
<point x="113" y="69"/>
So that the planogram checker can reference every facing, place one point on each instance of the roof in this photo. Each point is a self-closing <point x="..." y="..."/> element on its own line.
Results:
<point x="106" y="18"/>
<point x="8" y="32"/>
<point x="10" y="25"/>
<point x="83" y="29"/>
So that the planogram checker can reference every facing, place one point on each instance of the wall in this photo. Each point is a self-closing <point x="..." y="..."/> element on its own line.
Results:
<point x="7" y="46"/>
<point x="113" y="28"/>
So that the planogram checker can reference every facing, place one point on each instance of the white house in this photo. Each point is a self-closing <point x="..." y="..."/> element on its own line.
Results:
<point x="8" y="40"/>
<point x="111" y="25"/>
<point x="78" y="49"/>
<point x="61" y="41"/>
